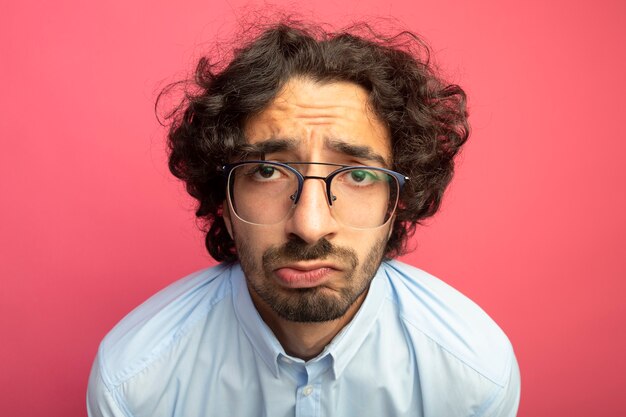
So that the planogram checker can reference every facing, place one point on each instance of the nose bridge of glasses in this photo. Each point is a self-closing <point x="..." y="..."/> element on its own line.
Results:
<point x="326" y="188"/>
<point x="305" y="171"/>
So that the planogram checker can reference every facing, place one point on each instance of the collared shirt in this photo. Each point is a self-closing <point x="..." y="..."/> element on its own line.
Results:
<point x="416" y="347"/>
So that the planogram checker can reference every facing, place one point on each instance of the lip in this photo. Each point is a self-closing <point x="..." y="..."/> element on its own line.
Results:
<point x="304" y="275"/>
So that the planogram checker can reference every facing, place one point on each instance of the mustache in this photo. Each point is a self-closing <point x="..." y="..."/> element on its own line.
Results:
<point x="298" y="250"/>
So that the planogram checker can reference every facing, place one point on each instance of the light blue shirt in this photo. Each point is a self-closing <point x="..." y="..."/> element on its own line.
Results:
<point x="416" y="347"/>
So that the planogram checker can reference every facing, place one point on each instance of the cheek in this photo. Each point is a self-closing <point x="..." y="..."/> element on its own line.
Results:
<point x="257" y="239"/>
<point x="363" y="242"/>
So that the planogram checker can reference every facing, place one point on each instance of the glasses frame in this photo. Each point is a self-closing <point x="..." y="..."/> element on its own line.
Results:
<point x="228" y="168"/>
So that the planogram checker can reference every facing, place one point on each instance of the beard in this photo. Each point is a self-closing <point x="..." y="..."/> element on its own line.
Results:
<point x="309" y="305"/>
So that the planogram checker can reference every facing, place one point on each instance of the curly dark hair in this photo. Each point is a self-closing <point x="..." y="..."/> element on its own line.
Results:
<point x="426" y="117"/>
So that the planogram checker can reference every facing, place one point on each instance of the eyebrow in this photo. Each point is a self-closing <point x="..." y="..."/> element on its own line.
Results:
<point x="357" y="151"/>
<point x="335" y="144"/>
<point x="269" y="146"/>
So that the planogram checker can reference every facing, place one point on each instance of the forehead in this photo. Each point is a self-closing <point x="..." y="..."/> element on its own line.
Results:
<point x="317" y="119"/>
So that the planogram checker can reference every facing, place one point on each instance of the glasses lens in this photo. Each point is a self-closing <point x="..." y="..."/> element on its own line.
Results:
<point x="364" y="198"/>
<point x="261" y="193"/>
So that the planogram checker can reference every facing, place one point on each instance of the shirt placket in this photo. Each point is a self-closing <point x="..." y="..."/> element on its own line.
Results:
<point x="308" y="398"/>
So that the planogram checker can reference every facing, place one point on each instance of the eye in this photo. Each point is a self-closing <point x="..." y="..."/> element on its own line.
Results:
<point x="360" y="177"/>
<point x="265" y="172"/>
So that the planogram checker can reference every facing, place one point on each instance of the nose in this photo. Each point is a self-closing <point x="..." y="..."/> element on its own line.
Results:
<point x="312" y="219"/>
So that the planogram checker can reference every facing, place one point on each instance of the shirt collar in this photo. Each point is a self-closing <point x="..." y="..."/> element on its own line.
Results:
<point x="350" y="339"/>
<point x="260" y="335"/>
<point x="341" y="349"/>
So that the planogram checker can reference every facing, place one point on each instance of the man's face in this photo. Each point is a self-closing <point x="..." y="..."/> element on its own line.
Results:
<point x="310" y="267"/>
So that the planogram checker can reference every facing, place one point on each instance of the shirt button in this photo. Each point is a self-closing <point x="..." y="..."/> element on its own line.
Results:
<point x="308" y="390"/>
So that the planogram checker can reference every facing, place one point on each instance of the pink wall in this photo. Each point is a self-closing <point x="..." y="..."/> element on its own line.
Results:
<point x="91" y="223"/>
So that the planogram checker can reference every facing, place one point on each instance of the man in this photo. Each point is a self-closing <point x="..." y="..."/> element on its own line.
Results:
<point x="312" y="156"/>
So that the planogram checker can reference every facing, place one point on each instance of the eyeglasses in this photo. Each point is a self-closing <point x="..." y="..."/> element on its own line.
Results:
<point x="266" y="192"/>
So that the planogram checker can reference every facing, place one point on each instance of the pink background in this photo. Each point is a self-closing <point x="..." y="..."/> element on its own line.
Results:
<point x="91" y="222"/>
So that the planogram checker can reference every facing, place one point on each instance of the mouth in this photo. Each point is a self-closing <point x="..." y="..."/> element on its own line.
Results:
<point x="301" y="275"/>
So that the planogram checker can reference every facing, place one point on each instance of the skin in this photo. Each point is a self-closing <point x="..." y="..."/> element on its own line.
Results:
<point x="333" y="264"/>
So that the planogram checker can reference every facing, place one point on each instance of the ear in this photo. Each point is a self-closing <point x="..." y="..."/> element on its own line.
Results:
<point x="227" y="218"/>
<point x="391" y="224"/>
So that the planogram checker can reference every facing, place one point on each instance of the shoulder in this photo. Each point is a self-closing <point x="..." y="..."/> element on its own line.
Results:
<point x="160" y="322"/>
<point x="456" y="326"/>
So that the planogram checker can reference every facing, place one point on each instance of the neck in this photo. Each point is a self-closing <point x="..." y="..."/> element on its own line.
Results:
<point x="304" y="340"/>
